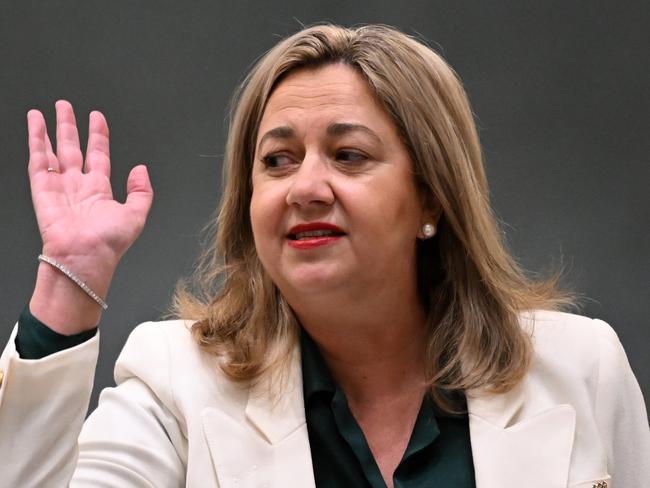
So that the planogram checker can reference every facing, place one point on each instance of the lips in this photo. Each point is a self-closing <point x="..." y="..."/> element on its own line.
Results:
<point x="314" y="230"/>
<point x="313" y="234"/>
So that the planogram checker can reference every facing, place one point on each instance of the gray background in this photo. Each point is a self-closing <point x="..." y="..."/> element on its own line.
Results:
<point x="559" y="89"/>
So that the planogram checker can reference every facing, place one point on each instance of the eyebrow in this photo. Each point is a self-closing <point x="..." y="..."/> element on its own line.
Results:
<point x="342" y="128"/>
<point x="336" y="129"/>
<point x="282" y="132"/>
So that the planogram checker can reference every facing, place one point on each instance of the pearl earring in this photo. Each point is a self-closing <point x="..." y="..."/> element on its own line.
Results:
<point x="429" y="230"/>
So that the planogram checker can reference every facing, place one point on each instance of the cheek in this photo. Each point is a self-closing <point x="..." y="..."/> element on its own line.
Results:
<point x="266" y="212"/>
<point x="260" y="227"/>
<point x="259" y="214"/>
<point x="391" y="209"/>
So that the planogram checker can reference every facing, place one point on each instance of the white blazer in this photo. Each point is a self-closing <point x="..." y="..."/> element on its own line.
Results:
<point x="174" y="420"/>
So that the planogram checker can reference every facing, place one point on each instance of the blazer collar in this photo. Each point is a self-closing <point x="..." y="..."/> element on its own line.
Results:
<point x="500" y="410"/>
<point x="276" y="416"/>
<point x="514" y="445"/>
<point x="268" y="445"/>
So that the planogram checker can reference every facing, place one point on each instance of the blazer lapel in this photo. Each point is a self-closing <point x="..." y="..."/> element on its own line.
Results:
<point x="513" y="448"/>
<point x="266" y="444"/>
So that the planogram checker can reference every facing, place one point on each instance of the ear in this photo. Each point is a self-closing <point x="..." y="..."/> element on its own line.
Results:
<point x="431" y="213"/>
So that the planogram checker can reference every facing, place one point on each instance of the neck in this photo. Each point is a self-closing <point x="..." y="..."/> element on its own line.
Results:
<point x="374" y="346"/>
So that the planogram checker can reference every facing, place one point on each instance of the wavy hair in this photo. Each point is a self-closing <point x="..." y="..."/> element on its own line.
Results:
<point x="471" y="288"/>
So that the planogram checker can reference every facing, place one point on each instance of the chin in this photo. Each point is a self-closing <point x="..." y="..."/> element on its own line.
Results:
<point x="307" y="280"/>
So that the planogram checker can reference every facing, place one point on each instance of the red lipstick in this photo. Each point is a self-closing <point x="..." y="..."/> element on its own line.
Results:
<point x="313" y="234"/>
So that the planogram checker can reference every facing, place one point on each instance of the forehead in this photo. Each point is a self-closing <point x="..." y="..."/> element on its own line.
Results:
<point x="332" y="91"/>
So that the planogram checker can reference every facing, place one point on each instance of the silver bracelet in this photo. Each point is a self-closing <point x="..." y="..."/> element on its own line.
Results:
<point x="73" y="277"/>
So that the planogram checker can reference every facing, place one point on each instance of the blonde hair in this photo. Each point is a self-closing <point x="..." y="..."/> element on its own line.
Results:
<point x="472" y="289"/>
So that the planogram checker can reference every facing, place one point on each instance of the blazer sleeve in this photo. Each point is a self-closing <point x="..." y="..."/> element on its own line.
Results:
<point x="42" y="408"/>
<point x="132" y="439"/>
<point x="621" y="413"/>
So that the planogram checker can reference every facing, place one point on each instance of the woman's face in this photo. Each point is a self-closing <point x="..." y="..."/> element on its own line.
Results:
<point x="334" y="205"/>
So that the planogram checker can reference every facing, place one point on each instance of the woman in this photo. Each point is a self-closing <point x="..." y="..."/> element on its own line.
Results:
<point x="358" y="321"/>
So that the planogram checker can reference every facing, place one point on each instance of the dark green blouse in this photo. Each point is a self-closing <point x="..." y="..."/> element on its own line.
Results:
<point x="438" y="453"/>
<point x="35" y="340"/>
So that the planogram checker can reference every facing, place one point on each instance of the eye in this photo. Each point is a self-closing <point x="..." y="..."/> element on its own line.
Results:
<point x="276" y="161"/>
<point x="349" y="156"/>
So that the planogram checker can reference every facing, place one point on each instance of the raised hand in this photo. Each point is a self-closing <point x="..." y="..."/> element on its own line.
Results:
<point x="81" y="225"/>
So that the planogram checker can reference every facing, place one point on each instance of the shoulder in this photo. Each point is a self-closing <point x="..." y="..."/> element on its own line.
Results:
<point x="575" y="358"/>
<point x="560" y="336"/>
<point x="573" y="325"/>
<point x="152" y="345"/>
<point x="579" y="359"/>
<point x="156" y="337"/>
<point x="165" y="357"/>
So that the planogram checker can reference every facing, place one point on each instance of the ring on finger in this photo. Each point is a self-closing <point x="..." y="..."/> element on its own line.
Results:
<point x="52" y="170"/>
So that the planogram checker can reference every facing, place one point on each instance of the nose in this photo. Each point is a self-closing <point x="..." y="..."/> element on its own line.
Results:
<point x="311" y="183"/>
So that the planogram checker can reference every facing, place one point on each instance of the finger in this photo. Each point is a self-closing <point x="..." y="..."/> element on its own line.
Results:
<point x="48" y="143"/>
<point x="67" y="138"/>
<point x="41" y="156"/>
<point x="98" y="151"/>
<point x="139" y="193"/>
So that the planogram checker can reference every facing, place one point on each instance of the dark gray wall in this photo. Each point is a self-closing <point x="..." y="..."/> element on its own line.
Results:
<point x="559" y="89"/>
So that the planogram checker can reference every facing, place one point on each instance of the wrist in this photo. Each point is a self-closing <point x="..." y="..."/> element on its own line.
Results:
<point x="64" y="306"/>
<point x="75" y="279"/>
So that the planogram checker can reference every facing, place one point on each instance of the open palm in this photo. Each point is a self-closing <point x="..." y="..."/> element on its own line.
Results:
<point x="77" y="216"/>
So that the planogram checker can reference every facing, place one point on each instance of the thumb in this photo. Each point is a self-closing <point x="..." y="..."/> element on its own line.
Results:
<point x="139" y="193"/>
